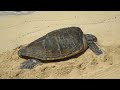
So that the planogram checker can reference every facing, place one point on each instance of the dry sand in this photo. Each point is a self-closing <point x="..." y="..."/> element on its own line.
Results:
<point x="21" y="29"/>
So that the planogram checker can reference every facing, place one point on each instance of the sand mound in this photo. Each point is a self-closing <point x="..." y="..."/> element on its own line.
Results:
<point x="83" y="66"/>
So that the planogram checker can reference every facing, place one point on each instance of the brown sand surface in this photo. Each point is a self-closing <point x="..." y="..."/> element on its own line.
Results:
<point x="20" y="29"/>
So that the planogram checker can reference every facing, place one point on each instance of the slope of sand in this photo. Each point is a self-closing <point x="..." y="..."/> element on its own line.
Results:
<point x="18" y="30"/>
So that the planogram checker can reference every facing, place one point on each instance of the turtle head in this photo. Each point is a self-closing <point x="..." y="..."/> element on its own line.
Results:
<point x="91" y="37"/>
<point x="90" y="41"/>
<point x="21" y="52"/>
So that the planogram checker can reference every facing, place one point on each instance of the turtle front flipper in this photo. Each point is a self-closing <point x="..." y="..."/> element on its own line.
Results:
<point x="29" y="64"/>
<point x="94" y="48"/>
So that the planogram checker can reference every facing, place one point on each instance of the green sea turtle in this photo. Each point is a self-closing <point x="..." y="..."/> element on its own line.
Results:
<point x="56" y="45"/>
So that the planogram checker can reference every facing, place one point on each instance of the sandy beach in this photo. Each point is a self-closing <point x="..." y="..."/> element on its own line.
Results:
<point x="19" y="29"/>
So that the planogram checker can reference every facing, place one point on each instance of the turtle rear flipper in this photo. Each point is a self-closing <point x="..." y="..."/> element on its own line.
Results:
<point x="94" y="48"/>
<point x="29" y="64"/>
